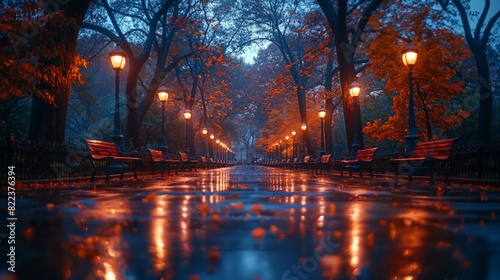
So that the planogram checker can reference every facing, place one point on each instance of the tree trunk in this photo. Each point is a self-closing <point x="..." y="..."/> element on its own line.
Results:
<point x="347" y="76"/>
<point x="485" y="95"/>
<point x="132" y="134"/>
<point x="345" y="57"/>
<point x="191" y="142"/>
<point x="160" y="73"/>
<point x="48" y="123"/>
<point x="150" y="96"/>
<point x="478" y="47"/>
<point x="328" y="126"/>
<point x="337" y="19"/>
<point x="329" y="105"/>
<point x="428" y="124"/>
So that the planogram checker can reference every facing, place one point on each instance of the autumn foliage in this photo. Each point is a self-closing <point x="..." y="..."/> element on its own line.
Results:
<point x="25" y="48"/>
<point x="437" y="75"/>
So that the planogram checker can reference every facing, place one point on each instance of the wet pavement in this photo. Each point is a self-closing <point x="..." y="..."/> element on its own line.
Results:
<point x="252" y="222"/>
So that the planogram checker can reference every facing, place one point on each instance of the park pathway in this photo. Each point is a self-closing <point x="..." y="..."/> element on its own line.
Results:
<point x="252" y="222"/>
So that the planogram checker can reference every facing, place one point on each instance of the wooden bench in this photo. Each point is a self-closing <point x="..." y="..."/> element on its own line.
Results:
<point x="323" y="163"/>
<point x="426" y="154"/>
<point x="214" y="163"/>
<point x="363" y="157"/>
<point x="159" y="159"/>
<point x="186" y="162"/>
<point x="305" y="164"/>
<point x="206" y="163"/>
<point x="108" y="152"/>
<point x="293" y="163"/>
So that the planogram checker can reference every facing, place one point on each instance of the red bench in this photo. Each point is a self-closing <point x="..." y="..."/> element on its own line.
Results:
<point x="159" y="159"/>
<point x="323" y="163"/>
<point x="426" y="154"/>
<point x="293" y="163"/>
<point x="186" y="162"/>
<point x="304" y="165"/>
<point x="214" y="163"/>
<point x="363" y="157"/>
<point x="108" y="152"/>
<point x="206" y="162"/>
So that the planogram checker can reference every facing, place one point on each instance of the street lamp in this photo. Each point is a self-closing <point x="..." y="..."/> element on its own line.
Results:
<point x="286" y="147"/>
<point x="217" y="148"/>
<point x="212" y="137"/>
<point x="321" y="115"/>
<point x="354" y="90"/>
<point x="293" y="142"/>
<point x="117" y="58"/>
<point x="303" y="126"/>
<point x="277" y="157"/>
<point x="204" y="131"/>
<point x="221" y="150"/>
<point x="280" y="150"/>
<point x="187" y="117"/>
<point x="409" y="55"/>
<point x="163" y="97"/>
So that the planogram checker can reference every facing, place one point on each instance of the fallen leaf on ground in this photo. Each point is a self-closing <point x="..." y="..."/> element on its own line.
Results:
<point x="258" y="233"/>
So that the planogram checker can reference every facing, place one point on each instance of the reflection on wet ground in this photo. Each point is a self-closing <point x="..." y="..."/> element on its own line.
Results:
<point x="250" y="222"/>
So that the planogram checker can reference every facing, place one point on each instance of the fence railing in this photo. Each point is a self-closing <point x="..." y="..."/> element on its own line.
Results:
<point x="478" y="163"/>
<point x="36" y="161"/>
<point x="466" y="162"/>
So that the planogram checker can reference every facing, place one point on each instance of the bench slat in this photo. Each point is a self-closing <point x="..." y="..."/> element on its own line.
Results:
<point x="426" y="153"/>
<point x="102" y="150"/>
<point x="362" y="157"/>
<point x="158" y="158"/>
<point x="438" y="149"/>
<point x="156" y="155"/>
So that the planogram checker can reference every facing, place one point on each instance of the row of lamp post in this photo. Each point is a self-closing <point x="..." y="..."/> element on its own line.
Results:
<point x="118" y="59"/>
<point x="163" y="97"/>
<point x="278" y="146"/>
<point x="409" y="57"/>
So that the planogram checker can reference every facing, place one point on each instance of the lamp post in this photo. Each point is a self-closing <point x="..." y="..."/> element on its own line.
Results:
<point x="321" y="115"/>
<point x="354" y="90"/>
<point x="222" y="150"/>
<point x="217" y="148"/>
<point x="212" y="137"/>
<point x="163" y="97"/>
<point x="204" y="131"/>
<point x="280" y="152"/>
<point x="117" y="58"/>
<point x="286" y="147"/>
<point x="410" y="54"/>
<point x="293" y="142"/>
<point x="277" y="153"/>
<point x="303" y="126"/>
<point x="187" y="117"/>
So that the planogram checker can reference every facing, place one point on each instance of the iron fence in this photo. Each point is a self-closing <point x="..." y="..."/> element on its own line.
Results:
<point x="466" y="162"/>
<point x="34" y="161"/>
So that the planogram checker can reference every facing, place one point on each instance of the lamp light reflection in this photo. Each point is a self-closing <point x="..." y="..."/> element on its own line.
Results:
<point x="356" y="232"/>
<point x="159" y="247"/>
